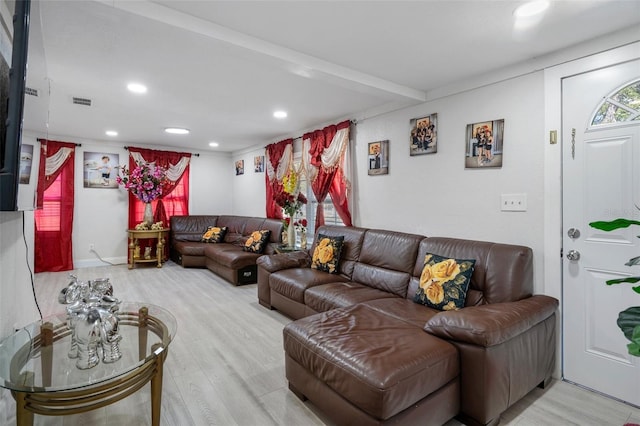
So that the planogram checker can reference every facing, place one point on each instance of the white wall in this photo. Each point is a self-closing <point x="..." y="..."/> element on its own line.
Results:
<point x="434" y="195"/>
<point x="249" y="189"/>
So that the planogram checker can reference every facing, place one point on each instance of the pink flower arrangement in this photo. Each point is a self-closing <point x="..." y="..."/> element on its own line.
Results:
<point x="144" y="182"/>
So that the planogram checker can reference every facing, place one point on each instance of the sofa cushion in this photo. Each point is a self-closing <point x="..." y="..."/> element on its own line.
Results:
<point x="444" y="282"/>
<point x="292" y="283"/>
<point x="496" y="264"/>
<point x="231" y="256"/>
<point x="403" y="309"/>
<point x="380" y="364"/>
<point x="256" y="241"/>
<point x="324" y="297"/>
<point x="326" y="254"/>
<point x="351" y="246"/>
<point x="214" y="234"/>
<point x="189" y="248"/>
<point x="190" y="228"/>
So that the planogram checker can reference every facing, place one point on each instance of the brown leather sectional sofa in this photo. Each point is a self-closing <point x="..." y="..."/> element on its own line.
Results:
<point x="227" y="259"/>
<point x="365" y="353"/>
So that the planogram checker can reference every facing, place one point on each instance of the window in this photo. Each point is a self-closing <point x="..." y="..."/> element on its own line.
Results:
<point x="622" y="106"/>
<point x="48" y="218"/>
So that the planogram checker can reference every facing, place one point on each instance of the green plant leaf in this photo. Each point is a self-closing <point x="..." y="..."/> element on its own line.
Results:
<point x="623" y="280"/>
<point x="634" y="346"/>
<point x="614" y="224"/>
<point x="629" y="322"/>
<point x="636" y="289"/>
<point x="633" y="261"/>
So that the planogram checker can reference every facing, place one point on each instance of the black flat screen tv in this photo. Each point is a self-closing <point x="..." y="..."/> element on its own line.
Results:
<point x="12" y="85"/>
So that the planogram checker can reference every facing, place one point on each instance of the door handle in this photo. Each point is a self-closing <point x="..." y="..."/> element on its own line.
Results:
<point x="573" y="255"/>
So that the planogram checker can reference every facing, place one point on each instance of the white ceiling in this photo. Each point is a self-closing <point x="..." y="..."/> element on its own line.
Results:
<point x="221" y="68"/>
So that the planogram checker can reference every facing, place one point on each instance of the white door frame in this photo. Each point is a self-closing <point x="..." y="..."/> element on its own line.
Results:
<point x="553" y="167"/>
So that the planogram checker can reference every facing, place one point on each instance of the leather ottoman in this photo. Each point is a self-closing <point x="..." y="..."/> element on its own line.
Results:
<point x="360" y="366"/>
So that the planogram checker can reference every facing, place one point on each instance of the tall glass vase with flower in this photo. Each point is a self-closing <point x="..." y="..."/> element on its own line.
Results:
<point x="291" y="200"/>
<point x="146" y="183"/>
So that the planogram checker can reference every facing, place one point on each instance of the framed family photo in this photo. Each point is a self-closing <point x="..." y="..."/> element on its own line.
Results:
<point x="424" y="135"/>
<point x="239" y="167"/>
<point x="484" y="142"/>
<point x="100" y="170"/>
<point x="258" y="164"/>
<point x="378" y="158"/>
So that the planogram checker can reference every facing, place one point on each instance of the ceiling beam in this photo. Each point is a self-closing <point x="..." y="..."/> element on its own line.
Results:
<point x="299" y="63"/>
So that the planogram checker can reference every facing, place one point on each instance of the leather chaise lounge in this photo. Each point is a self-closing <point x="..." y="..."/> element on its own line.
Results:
<point x="227" y="258"/>
<point x="364" y="352"/>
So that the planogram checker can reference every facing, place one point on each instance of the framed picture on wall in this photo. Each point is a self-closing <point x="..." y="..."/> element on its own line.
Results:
<point x="239" y="167"/>
<point x="258" y="164"/>
<point x="99" y="170"/>
<point x="424" y="135"/>
<point x="484" y="144"/>
<point x="26" y="159"/>
<point x="378" y="158"/>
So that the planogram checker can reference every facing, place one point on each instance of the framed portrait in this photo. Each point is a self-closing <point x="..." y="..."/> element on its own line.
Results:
<point x="239" y="167"/>
<point x="258" y="164"/>
<point x="424" y="135"/>
<point x="26" y="159"/>
<point x="378" y="157"/>
<point x="484" y="145"/>
<point x="100" y="170"/>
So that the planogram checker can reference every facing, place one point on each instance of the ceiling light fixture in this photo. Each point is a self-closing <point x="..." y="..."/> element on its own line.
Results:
<point x="137" y="88"/>
<point x="111" y="133"/>
<point x="531" y="8"/>
<point x="214" y="144"/>
<point x="280" y="114"/>
<point x="177" y="131"/>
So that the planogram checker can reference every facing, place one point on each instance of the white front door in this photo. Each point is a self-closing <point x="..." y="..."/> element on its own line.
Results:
<point x="601" y="182"/>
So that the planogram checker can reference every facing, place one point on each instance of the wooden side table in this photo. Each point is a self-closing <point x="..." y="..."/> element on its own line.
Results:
<point x="153" y="234"/>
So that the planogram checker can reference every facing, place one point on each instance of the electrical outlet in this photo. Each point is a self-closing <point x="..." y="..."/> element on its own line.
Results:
<point x="91" y="247"/>
<point x="513" y="202"/>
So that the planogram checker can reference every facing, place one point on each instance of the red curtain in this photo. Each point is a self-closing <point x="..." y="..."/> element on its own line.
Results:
<point x="274" y="187"/>
<point x="175" y="195"/>
<point x="329" y="181"/>
<point x="54" y="216"/>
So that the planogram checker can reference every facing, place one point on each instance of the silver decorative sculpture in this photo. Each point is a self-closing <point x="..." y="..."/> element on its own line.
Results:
<point x="92" y="317"/>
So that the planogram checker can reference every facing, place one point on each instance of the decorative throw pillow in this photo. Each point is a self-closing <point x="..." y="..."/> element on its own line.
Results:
<point x="214" y="234"/>
<point x="326" y="255"/>
<point x="257" y="241"/>
<point x="444" y="282"/>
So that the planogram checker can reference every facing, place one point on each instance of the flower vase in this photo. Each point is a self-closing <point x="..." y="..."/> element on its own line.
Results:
<point x="303" y="239"/>
<point x="291" y="236"/>
<point x="148" y="214"/>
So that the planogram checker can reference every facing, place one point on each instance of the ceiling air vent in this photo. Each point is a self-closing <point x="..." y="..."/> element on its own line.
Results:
<point x="30" y="91"/>
<point x="82" y="101"/>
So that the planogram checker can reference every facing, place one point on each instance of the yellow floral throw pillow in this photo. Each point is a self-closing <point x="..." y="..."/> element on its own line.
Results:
<point x="444" y="282"/>
<point x="326" y="255"/>
<point x="257" y="241"/>
<point x="214" y="234"/>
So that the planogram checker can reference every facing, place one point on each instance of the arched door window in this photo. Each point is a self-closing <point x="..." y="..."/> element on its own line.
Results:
<point x="623" y="105"/>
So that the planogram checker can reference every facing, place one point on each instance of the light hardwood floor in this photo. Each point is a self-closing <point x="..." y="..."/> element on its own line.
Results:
<point x="226" y="364"/>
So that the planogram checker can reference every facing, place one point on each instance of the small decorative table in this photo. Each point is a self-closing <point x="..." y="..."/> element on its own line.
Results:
<point x="135" y="256"/>
<point x="43" y="380"/>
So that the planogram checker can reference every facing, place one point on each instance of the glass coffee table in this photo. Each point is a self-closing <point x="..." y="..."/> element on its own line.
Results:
<point x="35" y="366"/>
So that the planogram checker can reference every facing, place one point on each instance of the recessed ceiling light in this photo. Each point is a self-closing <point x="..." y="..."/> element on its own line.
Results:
<point x="137" y="88"/>
<point x="177" y="131"/>
<point x="111" y="133"/>
<point x="531" y="8"/>
<point x="214" y="144"/>
<point x="280" y="114"/>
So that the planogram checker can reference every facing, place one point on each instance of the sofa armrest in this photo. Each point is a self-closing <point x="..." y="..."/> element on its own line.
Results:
<point x="492" y="324"/>
<point x="278" y="262"/>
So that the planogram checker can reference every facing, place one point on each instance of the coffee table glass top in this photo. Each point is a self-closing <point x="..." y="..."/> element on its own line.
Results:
<point x="28" y="366"/>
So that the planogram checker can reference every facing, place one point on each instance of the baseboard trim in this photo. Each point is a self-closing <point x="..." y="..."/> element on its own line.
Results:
<point x="90" y="263"/>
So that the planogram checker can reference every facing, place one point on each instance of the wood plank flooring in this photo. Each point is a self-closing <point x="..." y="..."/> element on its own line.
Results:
<point x="226" y="364"/>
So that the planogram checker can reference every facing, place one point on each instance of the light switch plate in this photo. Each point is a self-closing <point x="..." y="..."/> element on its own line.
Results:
<point x="513" y="202"/>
